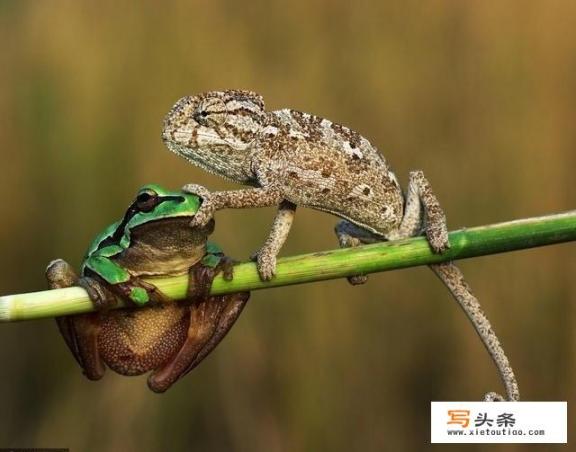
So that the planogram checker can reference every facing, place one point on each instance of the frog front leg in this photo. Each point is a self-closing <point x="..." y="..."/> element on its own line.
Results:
<point x="115" y="279"/>
<point x="80" y="332"/>
<point x="210" y="320"/>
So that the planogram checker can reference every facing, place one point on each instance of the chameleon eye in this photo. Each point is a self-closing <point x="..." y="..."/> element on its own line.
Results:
<point x="211" y="112"/>
<point x="146" y="200"/>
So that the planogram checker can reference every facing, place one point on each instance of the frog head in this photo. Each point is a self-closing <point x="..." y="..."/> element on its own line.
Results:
<point x="153" y="238"/>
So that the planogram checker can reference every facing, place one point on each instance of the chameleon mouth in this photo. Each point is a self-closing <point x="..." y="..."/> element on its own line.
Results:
<point x="175" y="132"/>
<point x="207" y="161"/>
<point x="178" y="149"/>
<point x="187" y="142"/>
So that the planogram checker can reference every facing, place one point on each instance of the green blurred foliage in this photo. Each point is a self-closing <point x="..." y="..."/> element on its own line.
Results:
<point x="480" y="95"/>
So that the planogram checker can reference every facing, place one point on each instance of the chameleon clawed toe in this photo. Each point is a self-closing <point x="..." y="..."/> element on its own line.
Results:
<point x="206" y="211"/>
<point x="438" y="240"/>
<point x="266" y="263"/>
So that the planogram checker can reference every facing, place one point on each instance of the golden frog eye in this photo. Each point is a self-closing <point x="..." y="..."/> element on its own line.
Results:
<point x="146" y="200"/>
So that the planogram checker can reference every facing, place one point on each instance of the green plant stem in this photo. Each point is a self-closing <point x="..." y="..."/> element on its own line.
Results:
<point x="465" y="243"/>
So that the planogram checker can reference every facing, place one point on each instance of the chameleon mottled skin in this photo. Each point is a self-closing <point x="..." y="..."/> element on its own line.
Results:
<point x="294" y="159"/>
<point x="301" y="158"/>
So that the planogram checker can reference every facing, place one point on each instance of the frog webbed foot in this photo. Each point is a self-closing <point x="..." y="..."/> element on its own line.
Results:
<point x="135" y="292"/>
<point x="210" y="319"/>
<point x="139" y="292"/>
<point x="226" y="266"/>
<point x="200" y="282"/>
<point x="202" y="275"/>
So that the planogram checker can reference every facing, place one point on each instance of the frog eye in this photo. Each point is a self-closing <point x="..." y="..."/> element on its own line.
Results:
<point x="211" y="112"/>
<point x="146" y="200"/>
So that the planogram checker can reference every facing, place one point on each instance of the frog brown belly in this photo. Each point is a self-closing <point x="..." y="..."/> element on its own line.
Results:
<point x="132" y="342"/>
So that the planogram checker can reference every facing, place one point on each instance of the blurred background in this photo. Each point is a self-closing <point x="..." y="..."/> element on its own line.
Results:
<point x="480" y="95"/>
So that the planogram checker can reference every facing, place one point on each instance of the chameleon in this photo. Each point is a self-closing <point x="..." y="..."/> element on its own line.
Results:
<point x="289" y="159"/>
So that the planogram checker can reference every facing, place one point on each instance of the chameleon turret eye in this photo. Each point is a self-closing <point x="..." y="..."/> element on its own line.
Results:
<point x="211" y="112"/>
<point x="146" y="200"/>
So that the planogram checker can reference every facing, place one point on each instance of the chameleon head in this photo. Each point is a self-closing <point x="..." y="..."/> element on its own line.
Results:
<point x="215" y="130"/>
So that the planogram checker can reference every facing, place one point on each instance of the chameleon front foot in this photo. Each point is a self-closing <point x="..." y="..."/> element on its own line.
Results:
<point x="206" y="211"/>
<point x="265" y="263"/>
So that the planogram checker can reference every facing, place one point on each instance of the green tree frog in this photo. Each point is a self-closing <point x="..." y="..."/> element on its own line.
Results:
<point x="153" y="239"/>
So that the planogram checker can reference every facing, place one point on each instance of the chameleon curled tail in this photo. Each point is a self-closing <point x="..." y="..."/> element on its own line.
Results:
<point x="424" y="214"/>
<point x="453" y="279"/>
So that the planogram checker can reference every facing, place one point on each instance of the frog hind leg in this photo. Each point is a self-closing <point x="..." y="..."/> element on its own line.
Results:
<point x="84" y="330"/>
<point x="81" y="335"/>
<point x="80" y="332"/>
<point x="210" y="319"/>
<point x="234" y="304"/>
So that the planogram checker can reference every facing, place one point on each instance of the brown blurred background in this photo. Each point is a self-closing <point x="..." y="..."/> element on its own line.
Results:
<point x="480" y="95"/>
